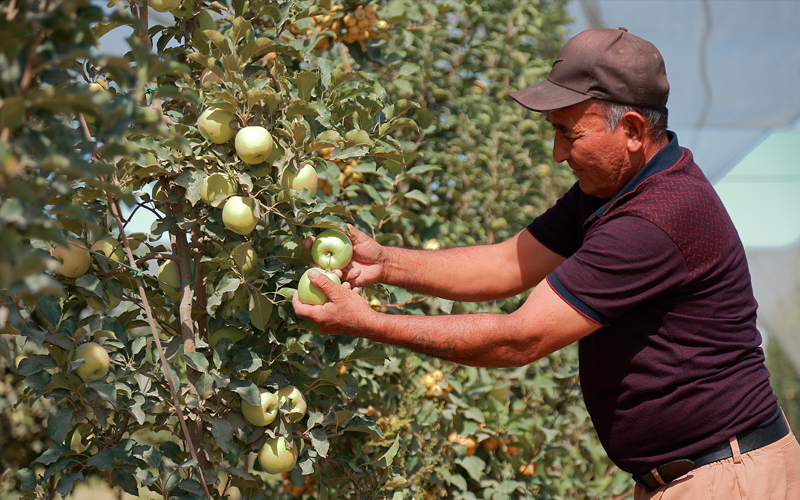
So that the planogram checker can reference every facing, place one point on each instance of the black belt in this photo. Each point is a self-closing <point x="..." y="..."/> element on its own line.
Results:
<point x="748" y="441"/>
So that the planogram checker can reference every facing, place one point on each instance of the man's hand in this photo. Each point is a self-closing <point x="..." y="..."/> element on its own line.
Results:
<point x="366" y="266"/>
<point x="345" y="313"/>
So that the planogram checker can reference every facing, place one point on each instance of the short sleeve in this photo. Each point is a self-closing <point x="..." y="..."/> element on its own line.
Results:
<point x="560" y="227"/>
<point x="622" y="263"/>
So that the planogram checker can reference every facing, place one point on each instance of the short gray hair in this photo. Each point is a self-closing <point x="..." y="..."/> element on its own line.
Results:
<point x="656" y="119"/>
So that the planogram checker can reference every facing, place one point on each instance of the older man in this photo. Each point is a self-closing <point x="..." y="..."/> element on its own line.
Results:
<point x="638" y="261"/>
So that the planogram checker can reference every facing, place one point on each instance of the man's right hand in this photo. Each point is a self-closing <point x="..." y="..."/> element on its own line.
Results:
<point x="366" y="267"/>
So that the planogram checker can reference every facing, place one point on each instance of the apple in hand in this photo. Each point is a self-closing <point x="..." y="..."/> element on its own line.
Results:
<point x="297" y="403"/>
<point x="95" y="361"/>
<point x="75" y="259"/>
<point x="276" y="455"/>
<point x="253" y="145"/>
<point x="265" y="413"/>
<point x="239" y="215"/>
<point x="217" y="184"/>
<point x="226" y="332"/>
<point x="304" y="178"/>
<point x="215" y="125"/>
<point x="310" y="294"/>
<point x="332" y="249"/>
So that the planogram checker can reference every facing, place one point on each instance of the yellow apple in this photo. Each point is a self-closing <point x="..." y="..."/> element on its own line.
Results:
<point x="163" y="5"/>
<point x="111" y="248"/>
<point x="240" y="215"/>
<point x="95" y="362"/>
<point x="292" y="396"/>
<point x="310" y="294"/>
<point x="253" y="145"/>
<point x="75" y="259"/>
<point x="217" y="185"/>
<point x="263" y="414"/>
<point x="304" y="178"/>
<point x="214" y="125"/>
<point x="168" y="279"/>
<point x="113" y="302"/>
<point x="276" y="455"/>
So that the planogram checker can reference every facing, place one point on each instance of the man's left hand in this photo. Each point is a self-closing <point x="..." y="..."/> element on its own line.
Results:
<point x="345" y="313"/>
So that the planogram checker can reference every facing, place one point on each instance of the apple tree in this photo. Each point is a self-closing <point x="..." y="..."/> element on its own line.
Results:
<point x="243" y="127"/>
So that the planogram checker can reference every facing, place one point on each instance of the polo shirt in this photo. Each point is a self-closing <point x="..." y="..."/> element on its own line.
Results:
<point x="677" y="365"/>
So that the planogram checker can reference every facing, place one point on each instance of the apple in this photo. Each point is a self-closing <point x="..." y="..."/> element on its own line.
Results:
<point x="227" y="332"/>
<point x="239" y="215"/>
<point x="208" y="79"/>
<point x="95" y="361"/>
<point x="203" y="21"/>
<point x="168" y="279"/>
<point x="185" y="10"/>
<point x="432" y="244"/>
<point x="332" y="249"/>
<point x="163" y="5"/>
<point x="276" y="455"/>
<point x="217" y="185"/>
<point x="113" y="302"/>
<point x="111" y="248"/>
<point x="246" y="259"/>
<point x="263" y="414"/>
<point x="253" y="145"/>
<point x="277" y="152"/>
<point x="297" y="403"/>
<point x="304" y="178"/>
<point x="75" y="259"/>
<point x="215" y="125"/>
<point x="310" y="294"/>
<point x="375" y="304"/>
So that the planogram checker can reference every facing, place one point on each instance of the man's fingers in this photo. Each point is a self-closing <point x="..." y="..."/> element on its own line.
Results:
<point x="325" y="284"/>
<point x="309" y="242"/>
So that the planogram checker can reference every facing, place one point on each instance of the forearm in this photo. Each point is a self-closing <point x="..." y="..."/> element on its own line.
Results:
<point x="488" y="340"/>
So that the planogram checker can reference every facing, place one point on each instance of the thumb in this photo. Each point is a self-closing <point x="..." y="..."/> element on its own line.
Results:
<point x="326" y="285"/>
<point x="356" y="236"/>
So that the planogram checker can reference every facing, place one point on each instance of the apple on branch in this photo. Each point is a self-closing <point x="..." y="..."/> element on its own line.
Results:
<point x="240" y="215"/>
<point x="163" y="5"/>
<point x="217" y="186"/>
<point x="263" y="414"/>
<point x="278" y="455"/>
<point x="168" y="279"/>
<point x="75" y="259"/>
<point x="304" y="178"/>
<point x="253" y="145"/>
<point x="292" y="396"/>
<point x="227" y="332"/>
<point x="95" y="361"/>
<point x="310" y="294"/>
<point x="215" y="125"/>
<point x="332" y="249"/>
<point x="111" y="248"/>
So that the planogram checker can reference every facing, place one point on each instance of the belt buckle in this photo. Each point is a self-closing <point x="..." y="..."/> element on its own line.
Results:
<point x="664" y="474"/>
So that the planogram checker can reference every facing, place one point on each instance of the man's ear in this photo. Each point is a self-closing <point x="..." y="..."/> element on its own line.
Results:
<point x="635" y="128"/>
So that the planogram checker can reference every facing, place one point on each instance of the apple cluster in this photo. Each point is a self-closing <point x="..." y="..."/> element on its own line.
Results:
<point x="358" y="26"/>
<point x="436" y="385"/>
<point x="331" y="250"/>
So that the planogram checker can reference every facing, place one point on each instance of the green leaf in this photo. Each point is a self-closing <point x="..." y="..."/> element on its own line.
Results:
<point x="196" y="361"/>
<point x="247" y="390"/>
<point x="473" y="465"/>
<point x="356" y="138"/>
<point x="306" y="82"/>
<point x="299" y="108"/>
<point x="105" y="391"/>
<point x="419" y="196"/>
<point x="103" y="460"/>
<point x="222" y="430"/>
<point x="257" y="47"/>
<point x="376" y="355"/>
<point x="59" y="425"/>
<point x="66" y="484"/>
<point x="260" y="310"/>
<point x="126" y="481"/>
<point x="192" y="180"/>
<point x="36" y="363"/>
<point x="388" y="128"/>
<point x="27" y="479"/>
<point x="388" y="457"/>
<point x="319" y="441"/>
<point x="398" y="109"/>
<point x="246" y="360"/>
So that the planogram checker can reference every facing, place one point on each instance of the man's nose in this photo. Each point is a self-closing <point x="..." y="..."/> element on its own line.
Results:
<point x="560" y="148"/>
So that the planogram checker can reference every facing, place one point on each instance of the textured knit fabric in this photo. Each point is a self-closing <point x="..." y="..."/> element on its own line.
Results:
<point x="678" y="366"/>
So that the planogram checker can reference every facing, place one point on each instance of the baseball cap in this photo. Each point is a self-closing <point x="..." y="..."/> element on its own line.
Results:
<point x="607" y="64"/>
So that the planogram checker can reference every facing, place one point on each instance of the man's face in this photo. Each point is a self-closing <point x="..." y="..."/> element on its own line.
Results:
<point x="598" y="158"/>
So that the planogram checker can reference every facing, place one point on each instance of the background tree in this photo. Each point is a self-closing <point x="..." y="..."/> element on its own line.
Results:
<point x="400" y="109"/>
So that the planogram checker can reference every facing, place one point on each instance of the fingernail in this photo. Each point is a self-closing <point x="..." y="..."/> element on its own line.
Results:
<point x="313" y="274"/>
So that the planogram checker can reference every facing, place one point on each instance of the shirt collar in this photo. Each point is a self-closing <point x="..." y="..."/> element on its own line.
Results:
<point x="666" y="157"/>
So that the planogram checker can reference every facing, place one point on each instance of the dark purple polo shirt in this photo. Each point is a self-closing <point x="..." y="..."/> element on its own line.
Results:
<point x="677" y="366"/>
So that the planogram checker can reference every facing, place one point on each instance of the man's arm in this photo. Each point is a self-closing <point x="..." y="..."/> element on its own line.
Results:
<point x="475" y="273"/>
<point x="545" y="323"/>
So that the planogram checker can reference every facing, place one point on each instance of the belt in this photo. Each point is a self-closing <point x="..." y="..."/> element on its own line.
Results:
<point x="749" y="440"/>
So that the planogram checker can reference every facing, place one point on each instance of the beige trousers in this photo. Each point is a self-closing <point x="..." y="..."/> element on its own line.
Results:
<point x="771" y="472"/>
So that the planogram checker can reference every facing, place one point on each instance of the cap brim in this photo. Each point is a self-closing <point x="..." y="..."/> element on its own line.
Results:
<point x="547" y="96"/>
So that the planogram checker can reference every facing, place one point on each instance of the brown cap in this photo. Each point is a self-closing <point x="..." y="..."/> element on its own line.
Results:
<point x="612" y="65"/>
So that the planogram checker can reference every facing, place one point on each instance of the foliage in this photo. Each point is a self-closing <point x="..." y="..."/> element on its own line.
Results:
<point x="408" y="128"/>
<point x="785" y="382"/>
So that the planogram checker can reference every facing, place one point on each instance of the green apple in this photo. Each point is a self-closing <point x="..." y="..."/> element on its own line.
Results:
<point x="277" y="152"/>
<point x="253" y="145"/>
<point x="226" y="332"/>
<point x="185" y="10"/>
<point x="75" y="259"/>
<point x="332" y="249"/>
<point x="113" y="302"/>
<point x="265" y="413"/>
<point x="209" y="79"/>
<point x="111" y="248"/>
<point x="163" y="5"/>
<point x="168" y="279"/>
<point x="310" y="294"/>
<point x="203" y="21"/>
<point x="432" y="244"/>
<point x="95" y="361"/>
<point x="292" y="396"/>
<point x="276" y="455"/>
<point x="240" y="215"/>
<point x="245" y="258"/>
<point x="304" y="178"/>
<point x="215" y="125"/>
<point x="217" y="185"/>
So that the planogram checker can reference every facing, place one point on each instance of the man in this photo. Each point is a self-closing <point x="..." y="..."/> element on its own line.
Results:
<point x="638" y="261"/>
